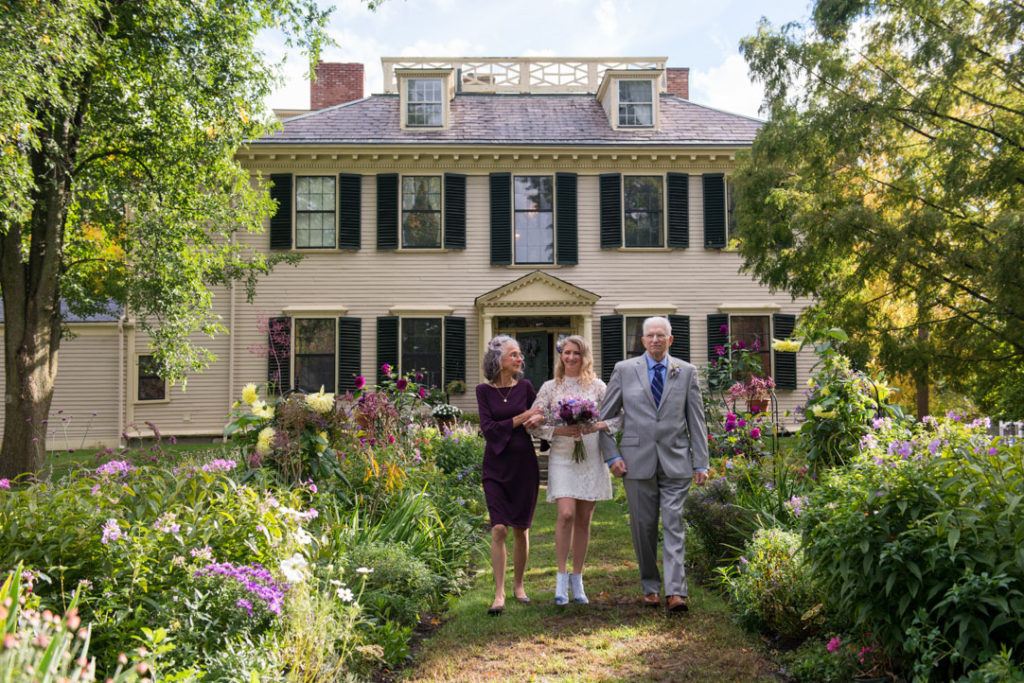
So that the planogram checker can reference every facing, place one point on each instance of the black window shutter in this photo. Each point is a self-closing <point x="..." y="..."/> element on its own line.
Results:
<point x="678" y="210"/>
<point x="716" y="337"/>
<point x="611" y="210"/>
<point x="279" y="358"/>
<point x="387" y="211"/>
<point x="612" y="341"/>
<point x="350" y="352"/>
<point x="454" y="349"/>
<point x="785" y="361"/>
<point x="387" y="344"/>
<point x="680" y="336"/>
<point x="454" y="211"/>
<point x="566" y="220"/>
<point x="350" y="210"/>
<point x="281" y="221"/>
<point x="714" y="211"/>
<point x="501" y="219"/>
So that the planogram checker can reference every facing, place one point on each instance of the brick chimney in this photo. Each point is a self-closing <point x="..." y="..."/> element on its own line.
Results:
<point x="336" y="83"/>
<point x="678" y="81"/>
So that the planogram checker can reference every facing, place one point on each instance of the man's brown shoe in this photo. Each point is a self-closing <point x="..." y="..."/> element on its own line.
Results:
<point x="651" y="600"/>
<point x="677" y="603"/>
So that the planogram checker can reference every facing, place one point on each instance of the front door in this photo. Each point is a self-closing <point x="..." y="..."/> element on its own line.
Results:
<point x="536" y="348"/>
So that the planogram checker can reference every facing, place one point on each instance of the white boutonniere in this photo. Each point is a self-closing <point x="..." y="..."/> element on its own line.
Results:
<point x="674" y="370"/>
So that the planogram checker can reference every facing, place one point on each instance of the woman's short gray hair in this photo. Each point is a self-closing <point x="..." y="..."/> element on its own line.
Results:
<point x="492" y="358"/>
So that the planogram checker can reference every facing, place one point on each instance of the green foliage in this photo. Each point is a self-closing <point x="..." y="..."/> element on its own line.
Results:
<point x="713" y="515"/>
<point x="728" y="378"/>
<point x="919" y="541"/>
<point x="837" y="659"/>
<point x="885" y="184"/>
<point x="47" y="647"/>
<point x="400" y="584"/>
<point x="772" y="588"/>
<point x="841" y="405"/>
<point x="460" y="452"/>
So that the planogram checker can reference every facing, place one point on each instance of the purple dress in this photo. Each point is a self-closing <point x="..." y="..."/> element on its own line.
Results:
<point x="511" y="477"/>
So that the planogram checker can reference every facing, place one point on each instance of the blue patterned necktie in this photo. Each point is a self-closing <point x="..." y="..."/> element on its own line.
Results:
<point x="658" y="383"/>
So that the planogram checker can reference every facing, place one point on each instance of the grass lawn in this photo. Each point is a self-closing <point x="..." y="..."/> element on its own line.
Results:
<point x="612" y="639"/>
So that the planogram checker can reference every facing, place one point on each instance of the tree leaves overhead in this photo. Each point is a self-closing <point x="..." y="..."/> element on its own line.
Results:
<point x="139" y="107"/>
<point x="888" y="182"/>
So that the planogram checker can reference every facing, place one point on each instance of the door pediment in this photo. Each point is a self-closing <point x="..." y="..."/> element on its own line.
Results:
<point x="538" y="290"/>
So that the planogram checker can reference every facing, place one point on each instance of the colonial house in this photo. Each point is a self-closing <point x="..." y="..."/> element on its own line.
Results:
<point x="538" y="197"/>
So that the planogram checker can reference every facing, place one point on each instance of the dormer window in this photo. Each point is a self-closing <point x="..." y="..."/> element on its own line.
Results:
<point x="636" y="103"/>
<point x="424" y="102"/>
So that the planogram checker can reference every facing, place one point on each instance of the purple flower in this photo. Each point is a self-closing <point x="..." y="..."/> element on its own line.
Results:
<point x="244" y="604"/>
<point x="255" y="578"/>
<point x="419" y="376"/>
<point x="834" y="644"/>
<point x="954" y="415"/>
<point x="111" y="531"/>
<point x="933" y="446"/>
<point x="360" y="382"/>
<point x="741" y="422"/>
<point x="993" y="451"/>
<point x="401" y="384"/>
<point x="720" y="350"/>
<point x="386" y="369"/>
<point x="5" y="483"/>
<point x="220" y="465"/>
<point x="724" y="329"/>
<point x="755" y="433"/>
<point x="122" y="467"/>
<point x="423" y="392"/>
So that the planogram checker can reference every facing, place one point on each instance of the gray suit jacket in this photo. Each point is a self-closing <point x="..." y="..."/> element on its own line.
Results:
<point x="673" y="433"/>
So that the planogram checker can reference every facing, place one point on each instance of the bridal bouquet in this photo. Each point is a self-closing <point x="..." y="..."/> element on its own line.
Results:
<point x="576" y="411"/>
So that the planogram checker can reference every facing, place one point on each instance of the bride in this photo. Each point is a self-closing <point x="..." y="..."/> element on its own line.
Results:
<point x="574" y="486"/>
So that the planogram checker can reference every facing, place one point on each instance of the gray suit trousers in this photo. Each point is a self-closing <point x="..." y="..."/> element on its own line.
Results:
<point x="645" y="496"/>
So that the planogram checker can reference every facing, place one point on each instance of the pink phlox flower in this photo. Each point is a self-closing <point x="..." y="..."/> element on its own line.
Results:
<point x="834" y="644"/>
<point x="5" y="483"/>
<point x="111" y="531"/>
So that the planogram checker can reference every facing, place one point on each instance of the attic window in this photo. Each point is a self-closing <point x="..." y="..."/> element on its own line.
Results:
<point x="425" y="106"/>
<point x="636" y="103"/>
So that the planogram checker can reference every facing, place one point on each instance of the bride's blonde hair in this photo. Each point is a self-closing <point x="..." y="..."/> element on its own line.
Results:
<point x="587" y="370"/>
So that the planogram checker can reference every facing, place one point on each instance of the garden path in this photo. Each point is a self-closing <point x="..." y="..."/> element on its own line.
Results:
<point x="612" y="639"/>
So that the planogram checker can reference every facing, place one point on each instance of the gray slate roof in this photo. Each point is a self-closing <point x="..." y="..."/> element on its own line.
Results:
<point x="516" y="120"/>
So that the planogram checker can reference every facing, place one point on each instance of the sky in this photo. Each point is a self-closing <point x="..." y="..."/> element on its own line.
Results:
<point x="703" y="35"/>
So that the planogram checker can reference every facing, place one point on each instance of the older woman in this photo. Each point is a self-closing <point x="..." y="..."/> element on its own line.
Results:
<point x="510" y="475"/>
<point x="574" y="486"/>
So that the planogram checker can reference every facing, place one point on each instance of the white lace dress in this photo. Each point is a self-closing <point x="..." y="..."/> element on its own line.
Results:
<point x="587" y="480"/>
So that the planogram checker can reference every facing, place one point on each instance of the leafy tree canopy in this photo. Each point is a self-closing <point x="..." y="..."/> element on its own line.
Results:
<point x="888" y="183"/>
<point x="119" y="125"/>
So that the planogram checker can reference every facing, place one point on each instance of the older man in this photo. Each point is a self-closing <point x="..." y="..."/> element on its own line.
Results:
<point x="664" y="448"/>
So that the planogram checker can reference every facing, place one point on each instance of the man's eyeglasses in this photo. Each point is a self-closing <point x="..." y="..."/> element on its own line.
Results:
<point x="655" y="336"/>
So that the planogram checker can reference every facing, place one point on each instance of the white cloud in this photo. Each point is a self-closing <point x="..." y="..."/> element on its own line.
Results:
<point x="607" y="17"/>
<point x="727" y="87"/>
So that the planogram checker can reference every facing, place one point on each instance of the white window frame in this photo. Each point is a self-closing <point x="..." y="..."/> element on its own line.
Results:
<point x="401" y="212"/>
<point x="136" y="376"/>
<point x="333" y="212"/>
<point x="554" y="227"/>
<point x="407" y="101"/>
<point x="663" y="236"/>
<point x="619" y="104"/>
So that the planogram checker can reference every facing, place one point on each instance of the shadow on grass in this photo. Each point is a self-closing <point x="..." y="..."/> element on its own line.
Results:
<point x="613" y="638"/>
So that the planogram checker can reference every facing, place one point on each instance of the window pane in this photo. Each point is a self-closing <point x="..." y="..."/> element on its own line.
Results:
<point x="535" y="237"/>
<point x="754" y="332"/>
<point x="314" y="335"/>
<point x="421" y="348"/>
<point x="635" y="91"/>
<point x="424" y="90"/>
<point x="313" y="372"/>
<point x="424" y="105"/>
<point x="634" y="335"/>
<point x="421" y="192"/>
<point x="421" y="229"/>
<point x="534" y="193"/>
<point x="643" y="229"/>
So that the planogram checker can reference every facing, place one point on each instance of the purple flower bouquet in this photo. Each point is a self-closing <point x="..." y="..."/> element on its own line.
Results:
<point x="576" y="411"/>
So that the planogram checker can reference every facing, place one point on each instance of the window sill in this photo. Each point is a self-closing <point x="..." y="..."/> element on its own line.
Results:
<point x="151" y="402"/>
<point x="646" y="249"/>
<point x="532" y="266"/>
<point x="422" y="250"/>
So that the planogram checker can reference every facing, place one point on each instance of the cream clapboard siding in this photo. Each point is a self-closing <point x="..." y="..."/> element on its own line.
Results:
<point x="84" y="409"/>
<point x="370" y="283"/>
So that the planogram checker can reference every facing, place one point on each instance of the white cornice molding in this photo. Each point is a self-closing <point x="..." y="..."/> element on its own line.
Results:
<point x="310" y="311"/>
<point x="746" y="308"/>
<point x="645" y="309"/>
<point x="411" y="310"/>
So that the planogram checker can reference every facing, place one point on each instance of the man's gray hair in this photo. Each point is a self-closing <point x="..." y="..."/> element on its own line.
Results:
<point x="492" y="358"/>
<point x="658" y="320"/>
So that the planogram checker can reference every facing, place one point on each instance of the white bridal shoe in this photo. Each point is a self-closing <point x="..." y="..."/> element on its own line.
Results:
<point x="562" y="589"/>
<point x="576" y="586"/>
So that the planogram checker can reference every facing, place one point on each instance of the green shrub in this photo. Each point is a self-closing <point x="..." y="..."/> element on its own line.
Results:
<point x="838" y="658"/>
<point x="920" y="542"/>
<point x="399" y="585"/>
<point x="712" y="514"/>
<point x="771" y="588"/>
<point x="458" y="451"/>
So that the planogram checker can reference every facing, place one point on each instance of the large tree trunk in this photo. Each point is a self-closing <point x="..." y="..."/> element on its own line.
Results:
<point x="29" y="281"/>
